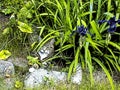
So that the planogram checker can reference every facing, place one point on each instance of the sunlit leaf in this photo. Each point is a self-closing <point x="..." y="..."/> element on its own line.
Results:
<point x="33" y="45"/>
<point x="83" y="23"/>
<point x="33" y="60"/>
<point x="24" y="27"/>
<point x="4" y="54"/>
<point x="95" y="29"/>
<point x="18" y="84"/>
<point x="7" y="11"/>
<point x="6" y="31"/>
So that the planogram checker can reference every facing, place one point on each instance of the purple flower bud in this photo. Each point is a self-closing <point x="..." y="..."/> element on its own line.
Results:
<point x="118" y="21"/>
<point x="112" y="23"/>
<point x="101" y="21"/>
<point x="81" y="30"/>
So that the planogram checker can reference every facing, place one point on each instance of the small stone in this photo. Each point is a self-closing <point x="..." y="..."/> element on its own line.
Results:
<point x="6" y="69"/>
<point x="7" y="73"/>
<point x="99" y="76"/>
<point x="19" y="62"/>
<point x="47" y="50"/>
<point x="7" y="76"/>
<point x="77" y="77"/>
<point x="31" y="69"/>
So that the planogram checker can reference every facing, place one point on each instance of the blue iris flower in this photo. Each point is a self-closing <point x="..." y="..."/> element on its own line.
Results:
<point x="112" y="23"/>
<point x="81" y="30"/>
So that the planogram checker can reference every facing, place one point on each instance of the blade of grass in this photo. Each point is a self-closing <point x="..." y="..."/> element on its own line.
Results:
<point x="109" y="6"/>
<point x="94" y="45"/>
<point x="60" y="9"/>
<point x="44" y="40"/>
<point x="76" y="59"/>
<point x="91" y="10"/>
<point x="89" y="62"/>
<point x="70" y="70"/>
<point x="98" y="9"/>
<point x="96" y="31"/>
<point x="63" y="48"/>
<point x="114" y="45"/>
<point x="41" y="31"/>
<point x="112" y="54"/>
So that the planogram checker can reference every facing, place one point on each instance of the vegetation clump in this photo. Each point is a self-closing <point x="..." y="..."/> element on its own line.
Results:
<point x="85" y="32"/>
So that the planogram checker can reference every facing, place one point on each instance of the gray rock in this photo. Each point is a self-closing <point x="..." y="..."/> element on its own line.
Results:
<point x="47" y="50"/>
<point x="116" y="76"/>
<point x="6" y="69"/>
<point x="77" y="76"/>
<point x="38" y="76"/>
<point x="19" y="62"/>
<point x="41" y="76"/>
<point x="34" y="37"/>
<point x="7" y="73"/>
<point x="99" y="76"/>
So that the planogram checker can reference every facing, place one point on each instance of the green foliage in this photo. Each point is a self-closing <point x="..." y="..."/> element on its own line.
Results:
<point x="18" y="84"/>
<point x="48" y="81"/>
<point x="58" y="19"/>
<point x="33" y="60"/>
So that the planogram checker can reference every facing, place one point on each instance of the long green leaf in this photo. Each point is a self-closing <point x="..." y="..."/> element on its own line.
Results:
<point x="89" y="62"/>
<point x="110" y="62"/>
<point x="113" y="63"/>
<point x="63" y="48"/>
<point x="99" y="9"/>
<point x="76" y="59"/>
<point x="41" y="31"/>
<point x="70" y="70"/>
<point x="114" y="45"/>
<point x="109" y="6"/>
<point x="60" y="8"/>
<point x="96" y="31"/>
<point x="44" y="40"/>
<point x="91" y="9"/>
<point x="112" y="54"/>
<point x="94" y="45"/>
